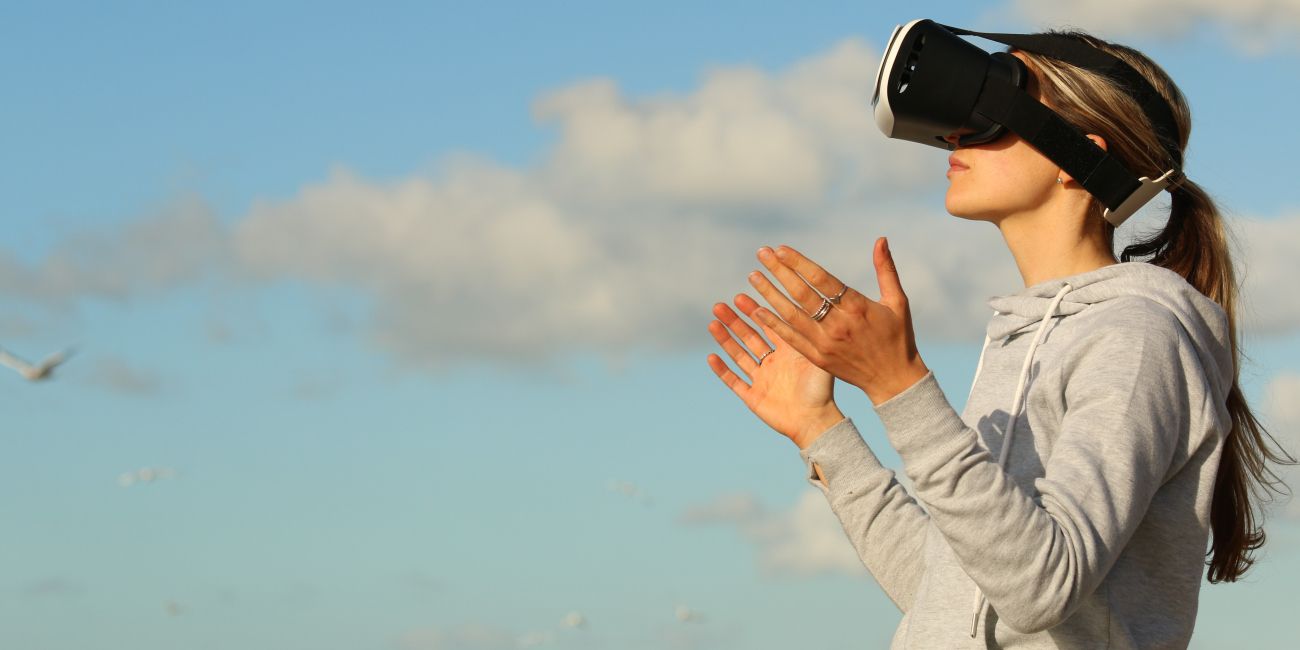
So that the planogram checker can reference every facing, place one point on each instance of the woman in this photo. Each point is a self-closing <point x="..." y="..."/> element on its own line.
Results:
<point x="1105" y="435"/>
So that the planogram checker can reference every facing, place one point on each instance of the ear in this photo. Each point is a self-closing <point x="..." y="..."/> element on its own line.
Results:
<point x="1097" y="140"/>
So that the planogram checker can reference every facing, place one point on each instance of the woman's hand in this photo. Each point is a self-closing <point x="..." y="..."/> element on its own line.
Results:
<point x="787" y="392"/>
<point x="866" y="343"/>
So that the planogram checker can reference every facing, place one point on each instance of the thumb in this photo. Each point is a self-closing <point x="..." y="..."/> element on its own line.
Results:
<point x="891" y="289"/>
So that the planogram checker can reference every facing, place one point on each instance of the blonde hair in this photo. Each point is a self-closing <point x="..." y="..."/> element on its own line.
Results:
<point x="1193" y="243"/>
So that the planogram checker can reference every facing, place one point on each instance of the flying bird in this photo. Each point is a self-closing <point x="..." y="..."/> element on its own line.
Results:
<point x="37" y="372"/>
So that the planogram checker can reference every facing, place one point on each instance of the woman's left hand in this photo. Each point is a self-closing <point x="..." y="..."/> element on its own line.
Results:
<point x="864" y="342"/>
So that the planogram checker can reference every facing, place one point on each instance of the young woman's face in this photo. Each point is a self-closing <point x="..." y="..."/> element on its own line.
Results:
<point x="1006" y="176"/>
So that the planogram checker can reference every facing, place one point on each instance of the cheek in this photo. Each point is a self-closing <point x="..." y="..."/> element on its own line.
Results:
<point x="995" y="187"/>
<point x="1030" y="168"/>
<point x="1022" y="179"/>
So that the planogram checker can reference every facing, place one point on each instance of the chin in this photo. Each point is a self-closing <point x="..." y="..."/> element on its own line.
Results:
<point x="975" y="204"/>
<point x="963" y="209"/>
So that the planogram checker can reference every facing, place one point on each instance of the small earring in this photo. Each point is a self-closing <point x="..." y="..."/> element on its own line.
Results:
<point x="1060" y="181"/>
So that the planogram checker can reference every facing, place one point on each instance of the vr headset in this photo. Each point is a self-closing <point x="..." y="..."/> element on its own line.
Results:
<point x="932" y="83"/>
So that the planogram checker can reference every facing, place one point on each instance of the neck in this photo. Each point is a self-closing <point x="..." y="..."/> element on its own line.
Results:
<point x="1055" y="244"/>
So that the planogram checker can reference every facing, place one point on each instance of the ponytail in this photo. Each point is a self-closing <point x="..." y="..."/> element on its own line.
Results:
<point x="1194" y="245"/>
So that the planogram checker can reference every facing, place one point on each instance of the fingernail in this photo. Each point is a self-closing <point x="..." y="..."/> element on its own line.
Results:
<point x="783" y="252"/>
<point x="886" y="245"/>
<point x="754" y="276"/>
<point x="764" y="250"/>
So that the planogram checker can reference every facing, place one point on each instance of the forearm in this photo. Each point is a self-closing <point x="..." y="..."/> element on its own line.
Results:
<point x="883" y="523"/>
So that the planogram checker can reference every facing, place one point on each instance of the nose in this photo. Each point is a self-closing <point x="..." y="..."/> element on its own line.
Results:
<point x="952" y="138"/>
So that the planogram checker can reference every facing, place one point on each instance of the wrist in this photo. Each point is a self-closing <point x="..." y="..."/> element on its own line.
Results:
<point x="897" y="383"/>
<point x="815" y="426"/>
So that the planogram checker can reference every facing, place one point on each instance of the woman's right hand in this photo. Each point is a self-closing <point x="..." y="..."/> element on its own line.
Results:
<point x="787" y="392"/>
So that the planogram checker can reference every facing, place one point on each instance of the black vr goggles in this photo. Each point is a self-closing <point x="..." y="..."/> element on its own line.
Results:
<point x="932" y="83"/>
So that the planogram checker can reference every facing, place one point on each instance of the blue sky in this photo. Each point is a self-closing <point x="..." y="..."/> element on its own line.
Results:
<point x="406" y="304"/>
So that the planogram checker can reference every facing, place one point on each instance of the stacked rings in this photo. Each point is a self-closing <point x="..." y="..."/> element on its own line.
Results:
<point x="827" y="303"/>
<point x="823" y="310"/>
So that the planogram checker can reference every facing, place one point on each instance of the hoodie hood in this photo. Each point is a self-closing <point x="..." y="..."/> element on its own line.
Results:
<point x="1204" y="320"/>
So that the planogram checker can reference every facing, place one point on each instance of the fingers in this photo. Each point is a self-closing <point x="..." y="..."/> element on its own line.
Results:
<point x="776" y="327"/>
<point x="750" y="308"/>
<point x="804" y="296"/>
<point x="891" y="288"/>
<point x="755" y="343"/>
<point x="738" y="354"/>
<point x="731" y="379"/>
<point x="791" y="313"/>
<point x="747" y="306"/>
<point x="818" y="277"/>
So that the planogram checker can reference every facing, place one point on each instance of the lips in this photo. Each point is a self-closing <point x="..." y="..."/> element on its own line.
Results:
<point x="955" y="165"/>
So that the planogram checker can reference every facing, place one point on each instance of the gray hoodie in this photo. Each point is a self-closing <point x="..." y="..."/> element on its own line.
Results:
<point x="1068" y="506"/>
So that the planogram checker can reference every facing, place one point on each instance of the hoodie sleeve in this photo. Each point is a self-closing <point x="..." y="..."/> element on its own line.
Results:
<point x="885" y="525"/>
<point x="1035" y="558"/>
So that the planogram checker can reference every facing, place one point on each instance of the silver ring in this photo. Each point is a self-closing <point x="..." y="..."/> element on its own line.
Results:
<point x="835" y="299"/>
<point x="769" y="351"/>
<point x="823" y="310"/>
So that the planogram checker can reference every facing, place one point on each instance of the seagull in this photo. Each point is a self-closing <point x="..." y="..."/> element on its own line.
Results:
<point x="38" y="372"/>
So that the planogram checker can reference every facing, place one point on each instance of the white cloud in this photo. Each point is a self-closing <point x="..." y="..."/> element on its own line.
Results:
<point x="1284" y="402"/>
<point x="482" y="264"/>
<point x="486" y="263"/>
<point x="745" y="139"/>
<point x="176" y="245"/>
<point x="729" y="143"/>
<point x="806" y="540"/>
<point x="1282" y="409"/>
<point x="1267" y="262"/>
<point x="1253" y="26"/>
<point x="646" y="211"/>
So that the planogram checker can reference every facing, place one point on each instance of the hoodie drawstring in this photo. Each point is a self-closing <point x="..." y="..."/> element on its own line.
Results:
<point x="980" y="601"/>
